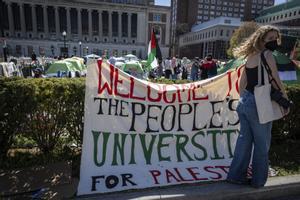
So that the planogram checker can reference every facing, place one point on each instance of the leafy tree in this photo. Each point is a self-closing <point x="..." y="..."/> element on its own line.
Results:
<point x="242" y="33"/>
<point x="182" y="28"/>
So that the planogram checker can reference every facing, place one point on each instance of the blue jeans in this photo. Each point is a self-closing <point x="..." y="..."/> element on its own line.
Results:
<point x="194" y="74"/>
<point x="252" y="134"/>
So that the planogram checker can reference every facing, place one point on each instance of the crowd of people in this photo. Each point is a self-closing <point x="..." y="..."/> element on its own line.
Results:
<point x="195" y="69"/>
<point x="170" y="68"/>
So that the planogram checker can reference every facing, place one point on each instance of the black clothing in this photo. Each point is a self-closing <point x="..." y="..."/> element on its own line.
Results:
<point x="252" y="78"/>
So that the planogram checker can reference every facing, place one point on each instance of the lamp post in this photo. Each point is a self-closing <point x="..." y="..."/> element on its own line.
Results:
<point x="64" y="33"/>
<point x="80" y="48"/>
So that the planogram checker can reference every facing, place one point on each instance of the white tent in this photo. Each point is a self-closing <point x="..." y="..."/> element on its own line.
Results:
<point x="92" y="56"/>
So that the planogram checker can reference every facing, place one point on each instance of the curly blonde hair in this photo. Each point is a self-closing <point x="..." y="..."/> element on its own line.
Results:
<point x="252" y="43"/>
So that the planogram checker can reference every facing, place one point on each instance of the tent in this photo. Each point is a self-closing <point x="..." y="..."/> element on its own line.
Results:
<point x="231" y="64"/>
<point x="92" y="56"/>
<point x="62" y="66"/>
<point x="133" y="68"/>
<point x="81" y="60"/>
<point x="9" y="69"/>
<point x="76" y="63"/>
<point x="119" y="65"/>
<point x="130" y="57"/>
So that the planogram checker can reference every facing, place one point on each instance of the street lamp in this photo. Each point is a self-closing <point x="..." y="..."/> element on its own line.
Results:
<point x="64" y="33"/>
<point x="80" y="48"/>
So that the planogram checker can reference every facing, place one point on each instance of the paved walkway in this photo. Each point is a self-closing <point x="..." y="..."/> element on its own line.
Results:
<point x="55" y="182"/>
<point x="275" y="187"/>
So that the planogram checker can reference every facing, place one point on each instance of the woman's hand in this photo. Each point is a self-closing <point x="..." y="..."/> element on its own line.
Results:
<point x="286" y="111"/>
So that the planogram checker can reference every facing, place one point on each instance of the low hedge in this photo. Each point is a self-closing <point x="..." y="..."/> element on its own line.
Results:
<point x="46" y="110"/>
<point x="42" y="109"/>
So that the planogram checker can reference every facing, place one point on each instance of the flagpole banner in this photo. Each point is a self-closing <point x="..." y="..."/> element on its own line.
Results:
<point x="140" y="134"/>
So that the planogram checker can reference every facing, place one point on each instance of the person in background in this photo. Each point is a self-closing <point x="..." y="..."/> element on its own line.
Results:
<point x="33" y="56"/>
<point x="209" y="67"/>
<point x="38" y="73"/>
<point x="173" y="68"/>
<point x="184" y="66"/>
<point x="168" y="69"/>
<point x="195" y="69"/>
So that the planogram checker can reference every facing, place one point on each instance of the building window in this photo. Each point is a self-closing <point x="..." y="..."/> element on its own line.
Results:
<point x="221" y="32"/>
<point x="295" y="13"/>
<point x="227" y="33"/>
<point x="157" y="17"/>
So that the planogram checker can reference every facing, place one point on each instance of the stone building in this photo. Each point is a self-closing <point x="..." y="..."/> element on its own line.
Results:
<point x="80" y="27"/>
<point x="210" y="37"/>
<point x="188" y="13"/>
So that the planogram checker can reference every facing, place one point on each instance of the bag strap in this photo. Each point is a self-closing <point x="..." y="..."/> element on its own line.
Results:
<point x="259" y="73"/>
<point x="262" y="75"/>
<point x="268" y="69"/>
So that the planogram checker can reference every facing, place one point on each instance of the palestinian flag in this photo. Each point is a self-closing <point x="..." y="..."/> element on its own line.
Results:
<point x="154" y="53"/>
<point x="286" y="67"/>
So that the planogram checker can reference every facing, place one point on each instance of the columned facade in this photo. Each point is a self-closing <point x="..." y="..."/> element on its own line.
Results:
<point x="113" y="28"/>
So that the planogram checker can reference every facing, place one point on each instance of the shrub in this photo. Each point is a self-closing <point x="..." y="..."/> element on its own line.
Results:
<point x="42" y="109"/>
<point x="47" y="110"/>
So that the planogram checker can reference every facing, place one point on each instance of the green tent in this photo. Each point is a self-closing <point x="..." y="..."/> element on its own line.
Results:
<point x="134" y="68"/>
<point x="76" y="63"/>
<point x="231" y="64"/>
<point x="62" y="66"/>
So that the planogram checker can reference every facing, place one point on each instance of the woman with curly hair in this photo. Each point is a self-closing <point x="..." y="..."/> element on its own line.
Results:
<point x="253" y="134"/>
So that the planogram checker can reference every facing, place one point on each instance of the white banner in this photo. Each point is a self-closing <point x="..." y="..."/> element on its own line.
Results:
<point x="140" y="134"/>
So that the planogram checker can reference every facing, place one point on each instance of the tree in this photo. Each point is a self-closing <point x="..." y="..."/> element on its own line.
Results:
<point x="240" y="35"/>
<point x="182" y="28"/>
